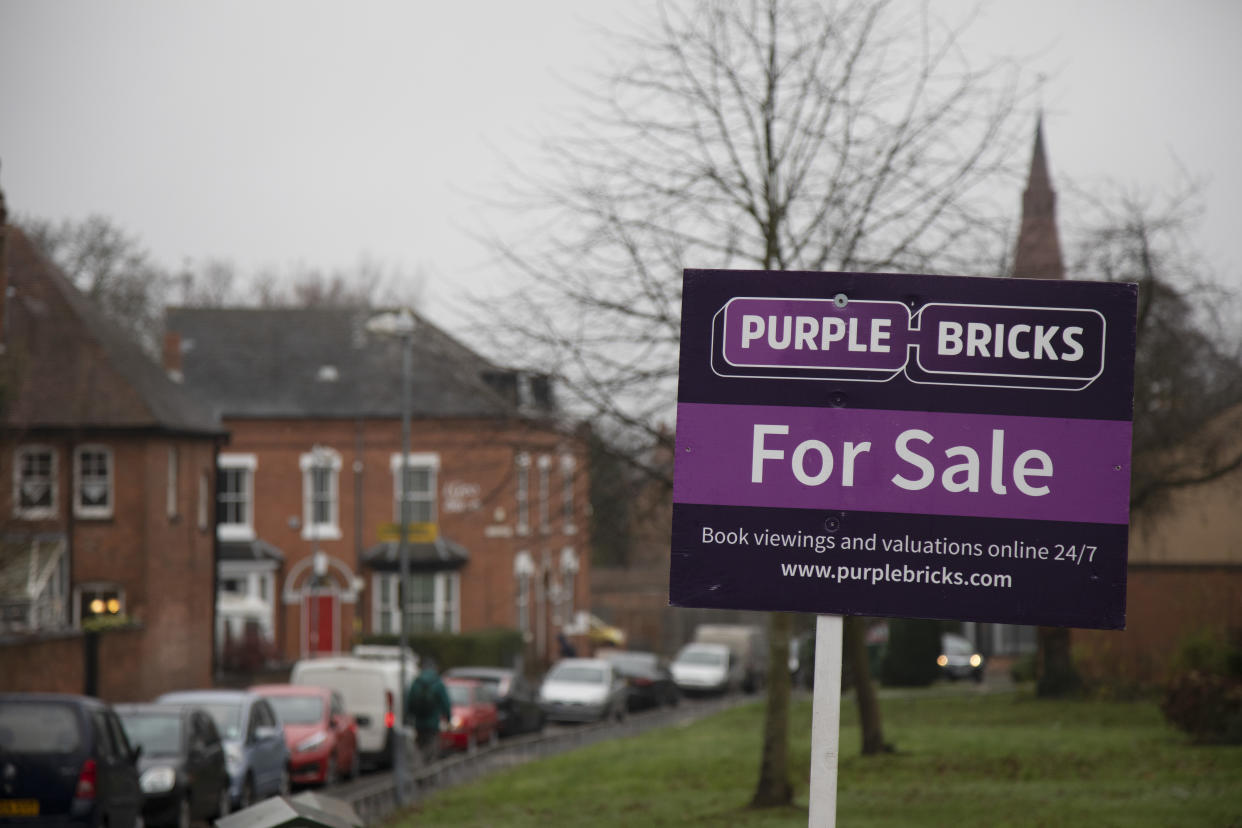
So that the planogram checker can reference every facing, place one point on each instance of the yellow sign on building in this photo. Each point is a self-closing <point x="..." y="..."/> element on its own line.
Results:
<point x="418" y="532"/>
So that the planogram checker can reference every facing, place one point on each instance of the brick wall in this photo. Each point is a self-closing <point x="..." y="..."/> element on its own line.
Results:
<point x="475" y="457"/>
<point x="1164" y="605"/>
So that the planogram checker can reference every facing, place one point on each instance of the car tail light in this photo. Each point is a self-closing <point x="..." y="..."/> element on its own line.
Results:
<point x="86" y="781"/>
<point x="390" y="718"/>
<point x="639" y="681"/>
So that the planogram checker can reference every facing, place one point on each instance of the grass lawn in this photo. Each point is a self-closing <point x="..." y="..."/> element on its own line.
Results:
<point x="962" y="760"/>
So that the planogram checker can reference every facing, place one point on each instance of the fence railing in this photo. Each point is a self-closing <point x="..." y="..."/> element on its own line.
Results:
<point x="375" y="798"/>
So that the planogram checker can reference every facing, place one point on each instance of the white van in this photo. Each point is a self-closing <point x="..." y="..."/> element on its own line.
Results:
<point x="373" y="696"/>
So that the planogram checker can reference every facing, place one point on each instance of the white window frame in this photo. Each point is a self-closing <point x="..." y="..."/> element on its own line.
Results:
<point x="445" y="612"/>
<point x="545" y="493"/>
<point x="521" y="492"/>
<point x="36" y="512"/>
<point x="246" y="464"/>
<point x="93" y="512"/>
<point x="523" y="572"/>
<point x="569" y="465"/>
<point x="204" y="500"/>
<point x="428" y="460"/>
<point x="172" y="491"/>
<point x="331" y="528"/>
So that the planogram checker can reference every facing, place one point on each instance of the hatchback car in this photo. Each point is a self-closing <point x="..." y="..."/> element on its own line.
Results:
<point x="583" y="690"/>
<point x="515" y="698"/>
<point x="650" y="682"/>
<point x="184" y="774"/>
<point x="959" y="658"/>
<point x="322" y="738"/>
<point x="474" y="720"/>
<point x="254" y="742"/>
<point x="65" y="760"/>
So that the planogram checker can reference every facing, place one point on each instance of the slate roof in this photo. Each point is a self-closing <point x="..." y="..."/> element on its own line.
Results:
<point x="439" y="555"/>
<point x="69" y="366"/>
<point x="323" y="363"/>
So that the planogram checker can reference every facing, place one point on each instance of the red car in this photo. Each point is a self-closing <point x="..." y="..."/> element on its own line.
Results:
<point x="322" y="737"/>
<point x="475" y="720"/>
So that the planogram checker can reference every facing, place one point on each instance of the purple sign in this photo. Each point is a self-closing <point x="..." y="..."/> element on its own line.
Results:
<point x="918" y="446"/>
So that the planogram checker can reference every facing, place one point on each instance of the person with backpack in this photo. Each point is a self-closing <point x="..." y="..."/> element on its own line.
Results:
<point x="427" y="704"/>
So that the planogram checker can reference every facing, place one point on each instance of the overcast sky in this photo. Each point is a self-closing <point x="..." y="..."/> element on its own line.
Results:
<point x="280" y="132"/>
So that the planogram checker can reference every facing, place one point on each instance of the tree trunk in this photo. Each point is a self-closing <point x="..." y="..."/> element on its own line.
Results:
<point x="774" y="788"/>
<point x="864" y="686"/>
<point x="1055" y="674"/>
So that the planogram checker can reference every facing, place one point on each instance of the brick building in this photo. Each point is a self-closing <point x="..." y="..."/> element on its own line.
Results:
<point x="311" y="485"/>
<point x="106" y="506"/>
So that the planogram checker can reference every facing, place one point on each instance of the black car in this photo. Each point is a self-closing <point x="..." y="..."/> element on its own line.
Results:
<point x="515" y="698"/>
<point x="65" y="760"/>
<point x="183" y="772"/>
<point x="648" y="678"/>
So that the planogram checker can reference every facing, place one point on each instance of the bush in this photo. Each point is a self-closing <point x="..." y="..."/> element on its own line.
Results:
<point x="1204" y="697"/>
<point x="495" y="648"/>
<point x="910" y="660"/>
<point x="1208" y="707"/>
<point x="1023" y="668"/>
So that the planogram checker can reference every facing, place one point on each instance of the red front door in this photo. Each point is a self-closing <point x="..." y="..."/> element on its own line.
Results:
<point x="319" y="621"/>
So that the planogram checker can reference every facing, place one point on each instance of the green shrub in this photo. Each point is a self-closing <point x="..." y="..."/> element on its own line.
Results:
<point x="1023" y="668"/>
<point x="1204" y="697"/>
<point x="1208" y="707"/>
<point x="910" y="659"/>
<point x="495" y="647"/>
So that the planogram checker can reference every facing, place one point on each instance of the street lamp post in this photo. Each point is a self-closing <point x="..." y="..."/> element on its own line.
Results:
<point x="401" y="324"/>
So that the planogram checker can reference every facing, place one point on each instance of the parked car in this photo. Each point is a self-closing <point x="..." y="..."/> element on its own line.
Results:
<point x="583" y="690"/>
<point x="254" y="742"/>
<point x="959" y="658"/>
<point x="515" y="697"/>
<point x="706" y="668"/>
<point x="65" y="760"/>
<point x="475" y="720"/>
<point x="322" y="738"/>
<point x="184" y="775"/>
<point x="372" y="692"/>
<point x="649" y="680"/>
<point x="748" y="644"/>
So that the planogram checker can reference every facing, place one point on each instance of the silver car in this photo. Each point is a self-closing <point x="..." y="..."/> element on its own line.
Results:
<point x="583" y="690"/>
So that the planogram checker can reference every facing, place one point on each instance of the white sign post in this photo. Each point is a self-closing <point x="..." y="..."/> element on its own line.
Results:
<point x="826" y="722"/>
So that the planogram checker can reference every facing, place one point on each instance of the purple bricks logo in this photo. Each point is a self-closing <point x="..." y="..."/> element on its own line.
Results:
<point x="940" y="343"/>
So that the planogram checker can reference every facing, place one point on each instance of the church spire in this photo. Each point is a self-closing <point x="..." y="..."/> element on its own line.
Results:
<point x="1038" y="251"/>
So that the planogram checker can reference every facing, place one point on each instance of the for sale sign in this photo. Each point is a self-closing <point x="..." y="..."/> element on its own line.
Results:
<point x="917" y="446"/>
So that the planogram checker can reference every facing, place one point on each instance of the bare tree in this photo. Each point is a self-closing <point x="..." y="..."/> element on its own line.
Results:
<point x="1188" y="362"/>
<point x="771" y="134"/>
<point x="110" y="267"/>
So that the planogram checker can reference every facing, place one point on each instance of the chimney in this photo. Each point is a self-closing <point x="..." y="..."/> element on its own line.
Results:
<point x="172" y="356"/>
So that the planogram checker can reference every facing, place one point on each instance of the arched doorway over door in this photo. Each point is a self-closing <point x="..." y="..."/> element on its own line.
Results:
<point x="319" y="586"/>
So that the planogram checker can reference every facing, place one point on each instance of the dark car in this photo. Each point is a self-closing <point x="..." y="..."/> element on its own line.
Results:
<point x="184" y="776"/>
<point x="648" y="678"/>
<point x="65" y="760"/>
<point x="515" y="697"/>
<point x="254" y="741"/>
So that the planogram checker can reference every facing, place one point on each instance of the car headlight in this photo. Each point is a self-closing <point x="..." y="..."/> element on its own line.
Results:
<point x="942" y="660"/>
<point x="976" y="660"/>
<point x="158" y="780"/>
<point x="232" y="755"/>
<point x="456" y="723"/>
<point x="312" y="742"/>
